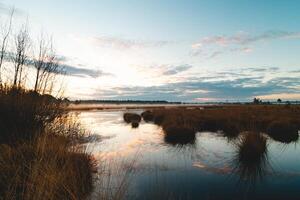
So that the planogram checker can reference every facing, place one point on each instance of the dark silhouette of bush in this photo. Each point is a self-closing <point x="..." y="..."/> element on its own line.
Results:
<point x="147" y="116"/>
<point x="233" y="119"/>
<point x="283" y="131"/>
<point x="38" y="156"/>
<point x="135" y="124"/>
<point x="177" y="135"/>
<point x="131" y="117"/>
<point x="45" y="170"/>
<point x="24" y="114"/>
<point x="251" y="160"/>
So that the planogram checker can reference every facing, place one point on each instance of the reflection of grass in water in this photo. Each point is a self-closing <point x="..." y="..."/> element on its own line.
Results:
<point x="113" y="178"/>
<point x="251" y="160"/>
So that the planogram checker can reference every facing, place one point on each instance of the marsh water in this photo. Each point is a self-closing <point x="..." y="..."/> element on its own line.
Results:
<point x="209" y="167"/>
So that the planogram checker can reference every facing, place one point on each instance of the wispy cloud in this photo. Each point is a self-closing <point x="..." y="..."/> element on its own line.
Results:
<point x="83" y="72"/>
<point x="245" y="39"/>
<point x="73" y="70"/>
<point x="239" y="42"/>
<point x="123" y="43"/>
<point x="79" y="70"/>
<point x="172" y="70"/>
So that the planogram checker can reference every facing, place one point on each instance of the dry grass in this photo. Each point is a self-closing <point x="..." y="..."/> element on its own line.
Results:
<point x="38" y="159"/>
<point x="251" y="160"/>
<point x="280" y="122"/>
<point x="24" y="114"/>
<point x="179" y="135"/>
<point x="45" y="170"/>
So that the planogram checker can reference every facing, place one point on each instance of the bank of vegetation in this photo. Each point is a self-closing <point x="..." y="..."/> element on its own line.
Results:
<point x="280" y="122"/>
<point x="39" y="155"/>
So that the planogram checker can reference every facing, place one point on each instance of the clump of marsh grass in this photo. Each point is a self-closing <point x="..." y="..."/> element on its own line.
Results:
<point x="147" y="116"/>
<point x="132" y="118"/>
<point x="283" y="131"/>
<point x="251" y="160"/>
<point x="39" y="158"/>
<point x="279" y="122"/>
<point x="24" y="113"/>
<point x="45" y="169"/>
<point x="177" y="135"/>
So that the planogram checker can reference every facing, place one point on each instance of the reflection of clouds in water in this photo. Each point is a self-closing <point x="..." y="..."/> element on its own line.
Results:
<point x="124" y="150"/>
<point x="211" y="155"/>
<point x="140" y="167"/>
<point x="218" y="170"/>
<point x="212" y="148"/>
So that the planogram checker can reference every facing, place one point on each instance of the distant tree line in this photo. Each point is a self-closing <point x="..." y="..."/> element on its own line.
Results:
<point x="125" y="102"/>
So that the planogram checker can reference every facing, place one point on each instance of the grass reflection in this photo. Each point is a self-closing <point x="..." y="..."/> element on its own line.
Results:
<point x="251" y="162"/>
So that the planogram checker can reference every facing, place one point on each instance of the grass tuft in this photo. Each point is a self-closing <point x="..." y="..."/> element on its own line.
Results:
<point x="39" y="158"/>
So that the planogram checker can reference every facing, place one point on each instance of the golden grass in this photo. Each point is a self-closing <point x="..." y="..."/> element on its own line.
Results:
<point x="251" y="160"/>
<point x="278" y="121"/>
<point x="38" y="155"/>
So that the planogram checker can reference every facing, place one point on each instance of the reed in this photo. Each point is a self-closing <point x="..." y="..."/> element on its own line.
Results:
<point x="39" y="158"/>
<point x="280" y="122"/>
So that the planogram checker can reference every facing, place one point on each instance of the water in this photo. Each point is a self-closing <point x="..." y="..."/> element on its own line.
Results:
<point x="208" y="168"/>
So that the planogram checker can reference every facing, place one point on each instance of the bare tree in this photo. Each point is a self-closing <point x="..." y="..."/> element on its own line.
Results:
<point x="4" y="41"/>
<point x="47" y="67"/>
<point x="40" y="61"/>
<point x="20" y="56"/>
<point x="52" y="70"/>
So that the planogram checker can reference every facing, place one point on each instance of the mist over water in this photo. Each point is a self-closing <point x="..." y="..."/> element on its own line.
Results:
<point x="210" y="166"/>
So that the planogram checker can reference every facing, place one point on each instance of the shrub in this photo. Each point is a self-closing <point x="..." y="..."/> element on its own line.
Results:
<point x="39" y="158"/>
<point x="283" y="131"/>
<point x="147" y="116"/>
<point x="44" y="170"/>
<point x="131" y="117"/>
<point x="135" y="124"/>
<point x="179" y="135"/>
<point x="235" y="119"/>
<point x="251" y="160"/>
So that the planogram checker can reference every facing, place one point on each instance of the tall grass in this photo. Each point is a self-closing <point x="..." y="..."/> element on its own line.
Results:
<point x="251" y="160"/>
<point x="282" y="123"/>
<point x="38" y="155"/>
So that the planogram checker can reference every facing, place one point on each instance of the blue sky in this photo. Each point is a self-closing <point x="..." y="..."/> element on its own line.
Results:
<point x="205" y="50"/>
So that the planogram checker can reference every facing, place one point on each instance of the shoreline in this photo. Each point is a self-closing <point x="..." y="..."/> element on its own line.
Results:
<point x="107" y="106"/>
<point x="87" y="107"/>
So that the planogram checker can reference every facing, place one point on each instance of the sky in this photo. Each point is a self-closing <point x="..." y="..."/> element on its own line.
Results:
<point x="175" y="50"/>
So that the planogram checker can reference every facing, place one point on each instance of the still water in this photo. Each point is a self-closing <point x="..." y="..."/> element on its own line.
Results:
<point x="207" y="168"/>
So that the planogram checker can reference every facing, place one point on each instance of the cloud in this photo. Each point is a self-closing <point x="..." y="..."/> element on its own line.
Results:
<point x="245" y="39"/>
<point x="238" y="85"/>
<point x="83" y="72"/>
<point x="236" y="43"/>
<point x="72" y="70"/>
<point x="176" y="69"/>
<point x="122" y="43"/>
